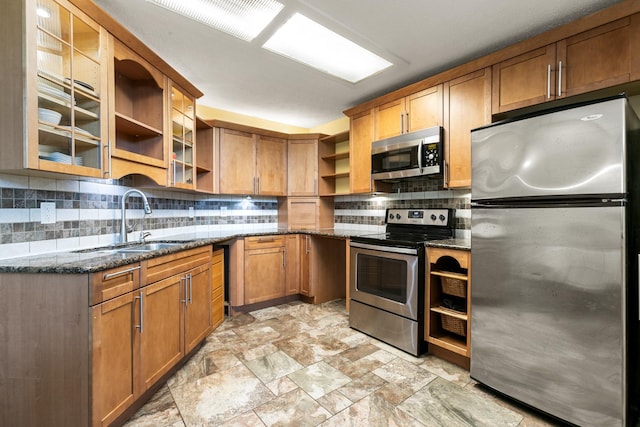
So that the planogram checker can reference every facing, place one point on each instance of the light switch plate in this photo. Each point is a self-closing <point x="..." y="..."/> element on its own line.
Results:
<point x="47" y="213"/>
<point x="191" y="213"/>
<point x="223" y="211"/>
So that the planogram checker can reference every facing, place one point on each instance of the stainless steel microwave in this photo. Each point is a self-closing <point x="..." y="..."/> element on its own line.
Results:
<point x="409" y="155"/>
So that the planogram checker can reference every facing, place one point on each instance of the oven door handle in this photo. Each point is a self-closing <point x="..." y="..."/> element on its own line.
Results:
<point x="392" y="249"/>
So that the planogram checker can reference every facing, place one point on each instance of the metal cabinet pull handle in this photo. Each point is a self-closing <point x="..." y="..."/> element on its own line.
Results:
<point x="284" y="257"/>
<point x="420" y="155"/>
<point x="560" y="78"/>
<point x="141" y="325"/>
<point x="406" y="126"/>
<point x="183" y="281"/>
<point x="306" y="245"/>
<point x="190" y="288"/>
<point x="119" y="273"/>
<point x="549" y="81"/>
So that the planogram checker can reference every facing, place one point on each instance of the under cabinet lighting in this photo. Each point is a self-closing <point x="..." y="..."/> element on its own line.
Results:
<point x="244" y="19"/>
<point x="306" y="41"/>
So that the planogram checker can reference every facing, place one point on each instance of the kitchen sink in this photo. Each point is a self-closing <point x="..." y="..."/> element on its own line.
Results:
<point x="132" y="248"/>
<point x="148" y="247"/>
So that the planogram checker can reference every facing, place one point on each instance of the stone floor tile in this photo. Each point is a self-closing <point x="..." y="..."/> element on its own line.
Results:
<point x="220" y="397"/>
<point x="319" y="379"/>
<point x="294" y="409"/>
<point x="248" y="419"/>
<point x="442" y="403"/>
<point x="372" y="411"/>
<point x="334" y="402"/>
<point x="161" y="410"/>
<point x="361" y="387"/>
<point x="273" y="366"/>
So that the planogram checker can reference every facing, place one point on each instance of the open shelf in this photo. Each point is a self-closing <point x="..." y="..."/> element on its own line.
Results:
<point x="447" y="302"/>
<point x="333" y="167"/>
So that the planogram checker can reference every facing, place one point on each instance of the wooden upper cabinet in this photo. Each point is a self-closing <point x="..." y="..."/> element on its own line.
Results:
<point x="599" y="58"/>
<point x="252" y="164"/>
<point x="595" y="59"/>
<point x="182" y="154"/>
<point x="271" y="166"/>
<point x="302" y="167"/>
<point x="467" y="105"/>
<point x="420" y="110"/>
<point x="237" y="161"/>
<point x="138" y="116"/>
<point x="525" y="80"/>
<point x="360" y="139"/>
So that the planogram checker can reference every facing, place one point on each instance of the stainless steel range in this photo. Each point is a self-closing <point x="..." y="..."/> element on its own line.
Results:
<point x="388" y="276"/>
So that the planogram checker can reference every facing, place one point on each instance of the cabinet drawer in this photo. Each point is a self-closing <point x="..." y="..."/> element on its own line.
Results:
<point x="165" y="266"/>
<point x="260" y="242"/>
<point x="114" y="282"/>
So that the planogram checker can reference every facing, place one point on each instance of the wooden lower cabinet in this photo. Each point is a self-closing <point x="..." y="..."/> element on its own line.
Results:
<point x="264" y="268"/>
<point x="160" y="329"/>
<point x="115" y="346"/>
<point x="448" y="304"/>
<point x="326" y="266"/>
<point x="217" y="288"/>
<point x="292" y="263"/>
<point x="138" y="337"/>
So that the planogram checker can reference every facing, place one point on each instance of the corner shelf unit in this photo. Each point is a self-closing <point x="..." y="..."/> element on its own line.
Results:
<point x="333" y="167"/>
<point x="448" y="303"/>
<point x="205" y="147"/>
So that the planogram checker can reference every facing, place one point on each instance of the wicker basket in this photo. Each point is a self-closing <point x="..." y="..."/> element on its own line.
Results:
<point x="454" y="325"/>
<point x="456" y="287"/>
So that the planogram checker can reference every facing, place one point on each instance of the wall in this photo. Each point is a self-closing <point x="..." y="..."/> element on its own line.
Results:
<point x="367" y="212"/>
<point x="88" y="214"/>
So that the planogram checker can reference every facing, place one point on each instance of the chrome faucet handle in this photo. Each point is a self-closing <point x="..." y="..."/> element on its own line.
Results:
<point x="144" y="235"/>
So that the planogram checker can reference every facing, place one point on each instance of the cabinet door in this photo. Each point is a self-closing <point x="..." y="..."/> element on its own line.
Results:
<point x="305" y="288"/>
<point x="467" y="106"/>
<point x="161" y="330"/>
<point x="182" y="157"/>
<point x="292" y="264"/>
<point x="237" y="162"/>
<point x="389" y="119"/>
<point x="303" y="167"/>
<point x="595" y="59"/>
<point x="360" y="152"/>
<point x="217" y="288"/>
<point x="114" y="350"/>
<point x="197" y="320"/>
<point x="271" y="166"/>
<point x="264" y="277"/>
<point x="424" y="109"/>
<point x="525" y="80"/>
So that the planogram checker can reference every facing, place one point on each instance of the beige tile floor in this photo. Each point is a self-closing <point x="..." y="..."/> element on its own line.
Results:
<point x="301" y="365"/>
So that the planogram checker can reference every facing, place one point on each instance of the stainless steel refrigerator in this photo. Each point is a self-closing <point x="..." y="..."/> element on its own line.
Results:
<point x="554" y="283"/>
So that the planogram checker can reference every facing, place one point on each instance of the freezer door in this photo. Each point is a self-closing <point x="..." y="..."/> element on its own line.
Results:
<point x="548" y="309"/>
<point x="577" y="151"/>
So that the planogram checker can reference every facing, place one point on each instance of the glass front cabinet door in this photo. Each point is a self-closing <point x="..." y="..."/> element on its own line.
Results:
<point x="181" y="167"/>
<point x="68" y="58"/>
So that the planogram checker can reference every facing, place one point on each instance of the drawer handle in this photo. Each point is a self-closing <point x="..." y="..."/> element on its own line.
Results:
<point x="119" y="273"/>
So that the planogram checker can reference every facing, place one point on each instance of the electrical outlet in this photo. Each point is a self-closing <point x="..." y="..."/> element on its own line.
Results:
<point x="47" y="213"/>
<point x="223" y="211"/>
<point x="191" y="212"/>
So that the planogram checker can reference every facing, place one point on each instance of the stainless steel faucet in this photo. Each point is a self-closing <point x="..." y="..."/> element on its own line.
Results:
<point x="123" y="216"/>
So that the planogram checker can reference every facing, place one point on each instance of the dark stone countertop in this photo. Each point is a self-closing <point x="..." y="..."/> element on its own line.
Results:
<point x="103" y="258"/>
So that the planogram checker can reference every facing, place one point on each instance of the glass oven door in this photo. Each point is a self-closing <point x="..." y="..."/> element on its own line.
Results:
<point x="386" y="277"/>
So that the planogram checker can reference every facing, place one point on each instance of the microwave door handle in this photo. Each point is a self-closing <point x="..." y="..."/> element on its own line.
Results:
<point x="420" y="155"/>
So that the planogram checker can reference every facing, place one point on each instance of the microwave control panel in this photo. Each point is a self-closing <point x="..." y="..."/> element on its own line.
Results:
<point x="431" y="155"/>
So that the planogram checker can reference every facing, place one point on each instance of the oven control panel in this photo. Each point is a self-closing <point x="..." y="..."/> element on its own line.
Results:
<point x="442" y="217"/>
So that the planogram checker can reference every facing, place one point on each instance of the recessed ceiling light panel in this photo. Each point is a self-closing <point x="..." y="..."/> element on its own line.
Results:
<point x="308" y="42"/>
<point x="244" y="19"/>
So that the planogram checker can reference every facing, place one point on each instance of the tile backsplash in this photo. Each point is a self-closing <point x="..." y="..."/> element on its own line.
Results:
<point x="87" y="213"/>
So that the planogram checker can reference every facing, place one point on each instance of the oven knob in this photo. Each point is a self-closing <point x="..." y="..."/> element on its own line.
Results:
<point x="398" y="216"/>
<point x="391" y="216"/>
<point x="433" y="217"/>
<point x="442" y="217"/>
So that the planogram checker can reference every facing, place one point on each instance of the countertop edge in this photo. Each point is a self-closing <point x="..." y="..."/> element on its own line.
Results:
<point x="91" y="261"/>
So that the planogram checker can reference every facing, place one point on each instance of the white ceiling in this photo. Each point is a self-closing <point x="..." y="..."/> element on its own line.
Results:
<point x="421" y="37"/>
